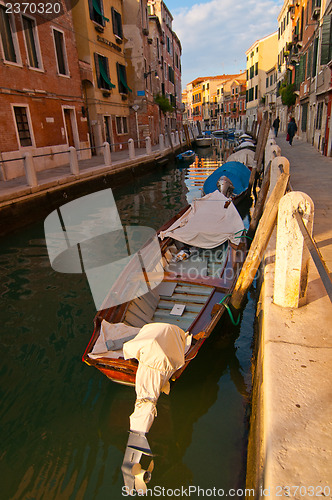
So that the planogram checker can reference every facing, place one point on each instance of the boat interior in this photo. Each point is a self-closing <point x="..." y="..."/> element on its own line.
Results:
<point x="182" y="294"/>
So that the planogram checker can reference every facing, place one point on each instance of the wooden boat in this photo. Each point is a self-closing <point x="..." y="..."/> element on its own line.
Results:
<point x="246" y="145"/>
<point x="197" y="284"/>
<point x="203" y="141"/>
<point x="233" y="178"/>
<point x="218" y="133"/>
<point x="186" y="156"/>
<point x="245" y="156"/>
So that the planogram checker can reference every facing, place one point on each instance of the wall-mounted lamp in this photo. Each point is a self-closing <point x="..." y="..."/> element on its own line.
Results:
<point x="149" y="73"/>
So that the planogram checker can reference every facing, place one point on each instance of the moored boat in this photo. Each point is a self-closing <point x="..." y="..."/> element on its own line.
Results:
<point x="203" y="141"/>
<point x="246" y="145"/>
<point x="218" y="133"/>
<point x="245" y="156"/>
<point x="186" y="156"/>
<point x="232" y="179"/>
<point x="196" y="280"/>
<point x="163" y="307"/>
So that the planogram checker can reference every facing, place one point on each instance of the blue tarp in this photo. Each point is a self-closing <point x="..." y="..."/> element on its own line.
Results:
<point x="236" y="171"/>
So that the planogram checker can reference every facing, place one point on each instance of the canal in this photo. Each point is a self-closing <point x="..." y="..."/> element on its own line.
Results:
<point x="63" y="425"/>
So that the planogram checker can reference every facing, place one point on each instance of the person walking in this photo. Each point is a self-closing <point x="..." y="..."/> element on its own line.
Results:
<point x="291" y="130"/>
<point x="275" y="125"/>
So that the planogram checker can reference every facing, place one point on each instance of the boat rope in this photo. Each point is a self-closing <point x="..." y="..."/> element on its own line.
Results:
<point x="243" y="235"/>
<point x="228" y="309"/>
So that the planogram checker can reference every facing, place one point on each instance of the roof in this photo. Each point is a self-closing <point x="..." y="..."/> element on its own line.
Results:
<point x="261" y="40"/>
<point x="202" y="79"/>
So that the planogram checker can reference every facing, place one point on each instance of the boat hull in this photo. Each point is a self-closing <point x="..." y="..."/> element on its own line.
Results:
<point x="199" y="293"/>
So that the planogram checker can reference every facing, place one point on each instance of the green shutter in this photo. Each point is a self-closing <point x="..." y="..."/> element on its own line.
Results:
<point x="104" y="74"/>
<point x="309" y="63"/>
<point x="326" y="40"/>
<point x="97" y="8"/>
<point x="314" y="59"/>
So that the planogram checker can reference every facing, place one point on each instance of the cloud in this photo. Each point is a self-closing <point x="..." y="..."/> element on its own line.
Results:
<point x="215" y="34"/>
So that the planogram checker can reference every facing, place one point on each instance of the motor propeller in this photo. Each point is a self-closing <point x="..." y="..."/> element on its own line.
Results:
<point x="142" y="477"/>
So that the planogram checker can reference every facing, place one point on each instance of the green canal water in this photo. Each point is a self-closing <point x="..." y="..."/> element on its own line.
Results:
<point x="63" y="425"/>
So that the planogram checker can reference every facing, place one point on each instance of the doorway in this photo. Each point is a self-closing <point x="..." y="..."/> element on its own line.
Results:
<point x="69" y="127"/>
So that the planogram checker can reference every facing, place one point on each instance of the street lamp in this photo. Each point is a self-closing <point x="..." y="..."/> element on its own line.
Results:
<point x="135" y="107"/>
<point x="147" y="73"/>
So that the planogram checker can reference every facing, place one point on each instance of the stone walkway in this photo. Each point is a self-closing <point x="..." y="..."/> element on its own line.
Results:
<point x="16" y="188"/>
<point x="296" y="353"/>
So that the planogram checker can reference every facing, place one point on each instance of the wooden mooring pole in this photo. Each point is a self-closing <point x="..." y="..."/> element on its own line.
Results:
<point x="260" y="241"/>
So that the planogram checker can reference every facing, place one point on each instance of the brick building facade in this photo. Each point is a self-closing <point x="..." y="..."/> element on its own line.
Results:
<point x="41" y="105"/>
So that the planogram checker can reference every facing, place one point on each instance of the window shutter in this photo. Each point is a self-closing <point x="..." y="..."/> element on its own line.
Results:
<point x="326" y="40"/>
<point x="98" y="76"/>
<point x="309" y="63"/>
<point x="314" y="60"/>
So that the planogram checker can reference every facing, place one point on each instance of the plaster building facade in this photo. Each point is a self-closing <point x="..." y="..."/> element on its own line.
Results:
<point x="100" y="43"/>
<point x="261" y="56"/>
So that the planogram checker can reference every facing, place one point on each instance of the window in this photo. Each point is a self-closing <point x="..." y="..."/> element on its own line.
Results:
<point x="23" y="127"/>
<point x="271" y="79"/>
<point x="169" y="45"/>
<point x="97" y="12"/>
<point x="267" y="81"/>
<point x="117" y="23"/>
<point x="171" y="74"/>
<point x="31" y="42"/>
<point x="256" y="68"/>
<point x="8" y="36"/>
<point x="256" y="92"/>
<point x="60" y="51"/>
<point x="319" y="115"/>
<point x="121" y="125"/>
<point x="304" y="117"/>
<point x="102" y="72"/>
<point x="122" y="79"/>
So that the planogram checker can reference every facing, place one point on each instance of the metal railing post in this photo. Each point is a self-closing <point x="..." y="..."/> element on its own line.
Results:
<point x="29" y="168"/>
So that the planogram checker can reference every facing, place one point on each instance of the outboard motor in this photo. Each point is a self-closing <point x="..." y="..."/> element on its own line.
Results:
<point x="225" y="186"/>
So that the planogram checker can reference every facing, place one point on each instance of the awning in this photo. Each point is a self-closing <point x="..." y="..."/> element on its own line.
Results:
<point x="123" y="81"/>
<point x="105" y="75"/>
<point x="96" y="6"/>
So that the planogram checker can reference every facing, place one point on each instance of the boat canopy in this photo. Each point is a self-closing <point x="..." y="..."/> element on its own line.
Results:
<point x="207" y="223"/>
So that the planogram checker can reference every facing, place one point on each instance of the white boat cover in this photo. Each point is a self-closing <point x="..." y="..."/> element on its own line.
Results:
<point x="111" y="331"/>
<point x="207" y="223"/>
<point x="159" y="349"/>
<point x="247" y="157"/>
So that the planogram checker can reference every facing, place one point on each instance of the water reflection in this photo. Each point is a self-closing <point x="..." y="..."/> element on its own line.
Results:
<point x="64" y="426"/>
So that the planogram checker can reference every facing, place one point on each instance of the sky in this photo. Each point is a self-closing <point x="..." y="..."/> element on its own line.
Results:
<point x="215" y="34"/>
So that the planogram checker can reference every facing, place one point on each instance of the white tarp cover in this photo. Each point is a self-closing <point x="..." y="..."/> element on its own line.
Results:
<point x="159" y="349"/>
<point x="207" y="223"/>
<point x="111" y="331"/>
<point x="247" y="157"/>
